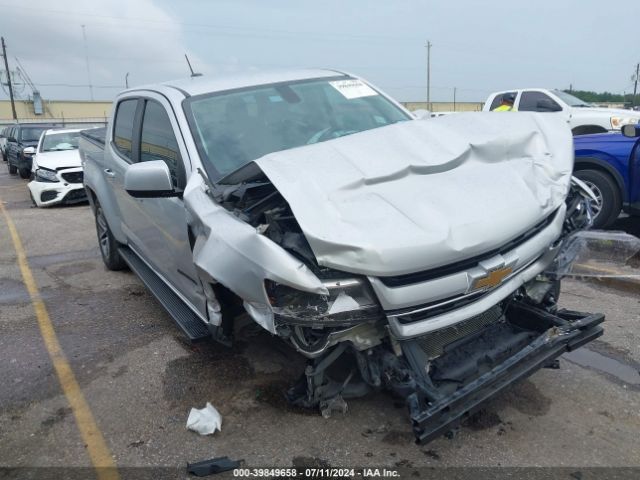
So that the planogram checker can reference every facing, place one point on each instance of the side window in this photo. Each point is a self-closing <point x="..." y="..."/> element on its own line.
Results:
<point x="537" y="102"/>
<point x="123" y="128"/>
<point x="158" y="142"/>
<point x="497" y="100"/>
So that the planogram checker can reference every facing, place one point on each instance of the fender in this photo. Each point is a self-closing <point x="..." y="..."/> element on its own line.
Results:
<point x="583" y="163"/>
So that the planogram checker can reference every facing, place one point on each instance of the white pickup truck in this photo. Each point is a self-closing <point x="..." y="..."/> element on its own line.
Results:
<point x="583" y="117"/>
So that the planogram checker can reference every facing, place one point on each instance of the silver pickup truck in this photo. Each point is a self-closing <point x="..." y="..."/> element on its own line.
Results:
<point x="418" y="256"/>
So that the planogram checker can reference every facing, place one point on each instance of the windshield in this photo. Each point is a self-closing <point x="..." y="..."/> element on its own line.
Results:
<point x="232" y="129"/>
<point x="570" y="99"/>
<point x="60" y="141"/>
<point x="31" y="134"/>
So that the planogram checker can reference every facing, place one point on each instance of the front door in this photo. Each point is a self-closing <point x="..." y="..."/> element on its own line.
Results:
<point x="157" y="227"/>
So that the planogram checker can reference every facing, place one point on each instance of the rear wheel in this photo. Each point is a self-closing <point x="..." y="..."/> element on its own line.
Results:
<point x="108" y="244"/>
<point x="604" y="187"/>
<point x="12" y="168"/>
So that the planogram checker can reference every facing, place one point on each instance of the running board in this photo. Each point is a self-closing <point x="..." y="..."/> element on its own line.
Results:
<point x="192" y="325"/>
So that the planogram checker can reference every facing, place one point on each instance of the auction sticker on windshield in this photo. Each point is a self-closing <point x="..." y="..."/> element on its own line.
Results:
<point x="353" y="88"/>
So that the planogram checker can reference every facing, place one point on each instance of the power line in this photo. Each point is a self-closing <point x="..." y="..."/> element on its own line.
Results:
<point x="75" y="85"/>
<point x="138" y="20"/>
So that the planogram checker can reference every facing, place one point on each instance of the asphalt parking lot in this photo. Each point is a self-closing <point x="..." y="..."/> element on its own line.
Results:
<point x="140" y="378"/>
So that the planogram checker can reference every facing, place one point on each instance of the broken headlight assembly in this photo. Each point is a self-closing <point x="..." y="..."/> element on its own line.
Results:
<point x="46" y="175"/>
<point x="349" y="301"/>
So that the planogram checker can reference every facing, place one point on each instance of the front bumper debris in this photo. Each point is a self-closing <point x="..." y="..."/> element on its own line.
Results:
<point x="548" y="336"/>
<point x="444" y="378"/>
<point x="68" y="190"/>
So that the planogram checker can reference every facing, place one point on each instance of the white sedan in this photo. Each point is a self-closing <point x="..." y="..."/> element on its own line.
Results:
<point x="56" y="169"/>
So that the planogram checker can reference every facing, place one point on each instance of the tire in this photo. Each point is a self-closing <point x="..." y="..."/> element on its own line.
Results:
<point x="607" y="191"/>
<point x="107" y="243"/>
<point x="24" y="173"/>
<point x="12" y="168"/>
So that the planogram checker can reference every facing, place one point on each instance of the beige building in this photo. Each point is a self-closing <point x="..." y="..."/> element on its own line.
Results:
<point x="87" y="111"/>
<point x="58" y="110"/>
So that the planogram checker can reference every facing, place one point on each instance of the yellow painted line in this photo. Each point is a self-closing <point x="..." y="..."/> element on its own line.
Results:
<point x="96" y="446"/>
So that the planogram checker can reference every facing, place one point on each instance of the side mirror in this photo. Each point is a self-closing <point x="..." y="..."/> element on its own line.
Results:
<point x="149" y="180"/>
<point x="421" y="114"/>
<point x="29" y="151"/>
<point x="631" y="130"/>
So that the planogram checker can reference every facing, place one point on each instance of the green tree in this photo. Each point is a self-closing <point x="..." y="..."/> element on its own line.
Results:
<point x="596" y="97"/>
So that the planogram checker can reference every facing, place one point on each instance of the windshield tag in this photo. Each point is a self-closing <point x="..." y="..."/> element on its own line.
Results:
<point x="353" y="88"/>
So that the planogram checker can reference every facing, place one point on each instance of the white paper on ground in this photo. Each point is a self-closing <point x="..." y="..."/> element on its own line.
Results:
<point x="205" y="421"/>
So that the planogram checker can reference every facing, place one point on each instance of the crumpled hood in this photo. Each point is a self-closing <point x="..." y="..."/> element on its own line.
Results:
<point x="421" y="194"/>
<point x="62" y="159"/>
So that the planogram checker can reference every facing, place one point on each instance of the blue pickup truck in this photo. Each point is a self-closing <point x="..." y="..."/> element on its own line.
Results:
<point x="610" y="164"/>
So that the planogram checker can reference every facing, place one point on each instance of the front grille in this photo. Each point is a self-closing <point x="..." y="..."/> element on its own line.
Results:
<point x="417" y="277"/>
<point x="434" y="343"/>
<point x="78" y="195"/>
<point x="49" y="195"/>
<point x="73" y="177"/>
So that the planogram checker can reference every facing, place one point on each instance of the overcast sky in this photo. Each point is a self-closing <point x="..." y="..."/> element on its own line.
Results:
<point x="478" y="47"/>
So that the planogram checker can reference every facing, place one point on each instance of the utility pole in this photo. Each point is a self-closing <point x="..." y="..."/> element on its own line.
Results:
<point x="86" y="58"/>
<point x="635" y="86"/>
<point x="428" y="75"/>
<point x="6" y="66"/>
<point x="454" y="98"/>
<point x="126" y="80"/>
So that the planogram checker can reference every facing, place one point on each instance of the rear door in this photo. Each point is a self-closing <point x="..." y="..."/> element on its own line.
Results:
<point x="534" y="101"/>
<point x="157" y="227"/>
<point x="119" y="148"/>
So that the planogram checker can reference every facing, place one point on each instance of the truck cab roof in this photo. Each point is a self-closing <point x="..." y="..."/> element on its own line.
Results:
<point x="231" y="81"/>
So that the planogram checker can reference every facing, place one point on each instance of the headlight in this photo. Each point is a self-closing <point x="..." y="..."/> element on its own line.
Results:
<point x="349" y="301"/>
<point x="618" y="122"/>
<point x="46" y="175"/>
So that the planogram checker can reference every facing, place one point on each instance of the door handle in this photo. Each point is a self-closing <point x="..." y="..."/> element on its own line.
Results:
<point x="109" y="172"/>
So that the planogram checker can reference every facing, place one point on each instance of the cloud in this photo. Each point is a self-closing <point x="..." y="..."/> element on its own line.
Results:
<point x="122" y="36"/>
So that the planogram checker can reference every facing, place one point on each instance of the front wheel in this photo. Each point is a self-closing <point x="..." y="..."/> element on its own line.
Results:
<point x="24" y="173"/>
<point x="108" y="244"/>
<point x="609" y="199"/>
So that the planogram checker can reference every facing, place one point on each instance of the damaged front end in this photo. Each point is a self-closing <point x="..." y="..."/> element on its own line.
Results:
<point x="445" y="374"/>
<point x="444" y="339"/>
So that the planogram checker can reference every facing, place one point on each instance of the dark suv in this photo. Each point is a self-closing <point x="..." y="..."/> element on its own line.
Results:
<point x="20" y="137"/>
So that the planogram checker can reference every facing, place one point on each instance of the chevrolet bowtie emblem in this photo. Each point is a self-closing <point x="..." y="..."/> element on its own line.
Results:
<point x="491" y="279"/>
